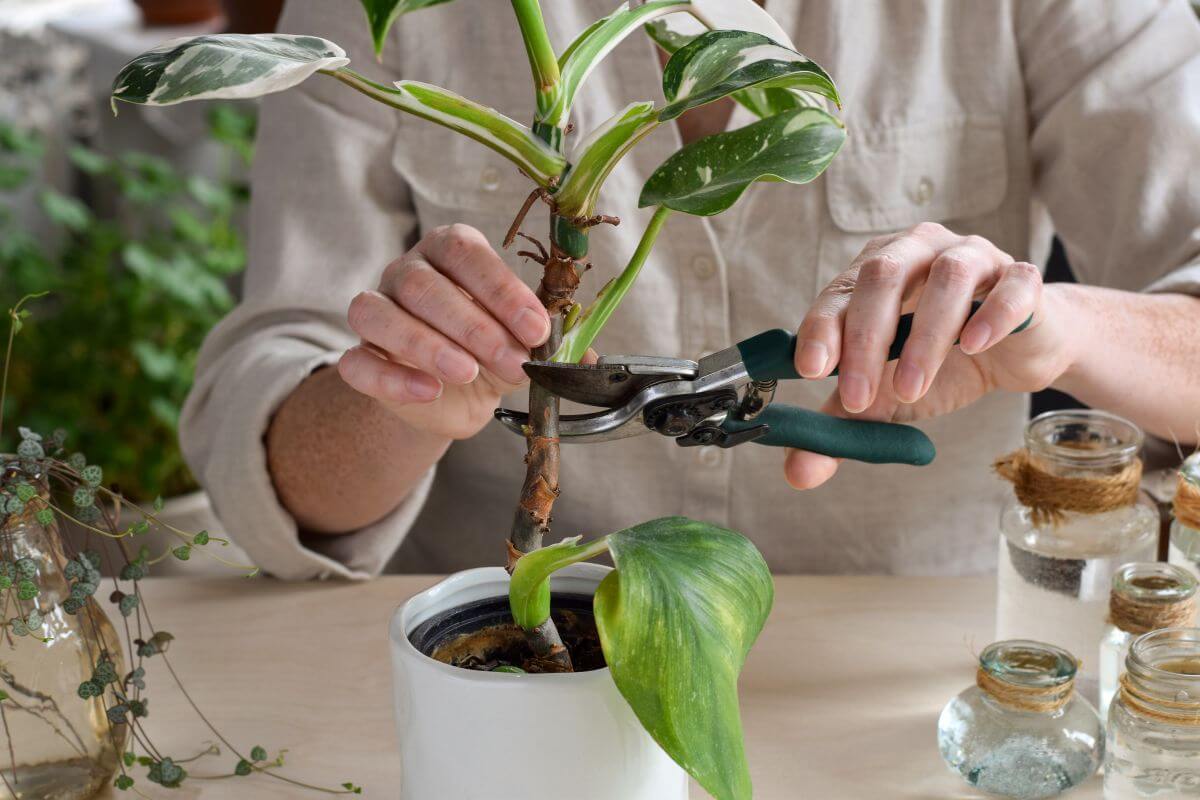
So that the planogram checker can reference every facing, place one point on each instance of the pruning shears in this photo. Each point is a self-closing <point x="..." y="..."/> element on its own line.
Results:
<point x="724" y="400"/>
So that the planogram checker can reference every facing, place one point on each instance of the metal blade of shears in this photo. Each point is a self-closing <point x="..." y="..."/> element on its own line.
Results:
<point x="609" y="383"/>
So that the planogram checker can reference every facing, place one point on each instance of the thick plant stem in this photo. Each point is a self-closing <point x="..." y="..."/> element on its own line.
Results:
<point x="531" y="522"/>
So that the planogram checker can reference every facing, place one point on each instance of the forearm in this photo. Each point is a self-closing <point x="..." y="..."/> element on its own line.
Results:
<point x="339" y="460"/>
<point x="1136" y="355"/>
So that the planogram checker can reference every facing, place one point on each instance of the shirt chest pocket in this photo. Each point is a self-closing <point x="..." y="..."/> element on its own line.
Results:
<point x="892" y="176"/>
<point x="454" y="179"/>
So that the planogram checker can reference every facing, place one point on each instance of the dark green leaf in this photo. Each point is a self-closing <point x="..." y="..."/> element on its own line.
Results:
<point x="381" y="14"/>
<point x="26" y="492"/>
<point x="709" y="175"/>
<point x="71" y="605"/>
<point x="128" y="604"/>
<point x="200" y="539"/>
<point x="231" y="66"/>
<point x="128" y="758"/>
<point x="258" y="753"/>
<point x="166" y="773"/>
<point x="93" y="474"/>
<point x="90" y="689"/>
<point x="104" y="673"/>
<point x="34" y="620"/>
<point x="116" y="714"/>
<point x="123" y="782"/>
<point x="133" y="572"/>
<point x="676" y="619"/>
<point x="83" y="496"/>
<point x="243" y="768"/>
<point x="30" y="448"/>
<point x="5" y="582"/>
<point x="720" y="63"/>
<point x="45" y="517"/>
<point x="27" y="590"/>
<point x="183" y="552"/>
<point x="18" y="627"/>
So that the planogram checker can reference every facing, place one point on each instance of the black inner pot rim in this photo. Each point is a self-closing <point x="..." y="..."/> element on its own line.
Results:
<point x="479" y="614"/>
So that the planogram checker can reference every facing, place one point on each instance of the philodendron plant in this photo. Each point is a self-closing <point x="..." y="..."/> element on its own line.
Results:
<point x="687" y="599"/>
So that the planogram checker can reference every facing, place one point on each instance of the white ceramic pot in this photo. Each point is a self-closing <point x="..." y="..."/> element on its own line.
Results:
<point x="468" y="735"/>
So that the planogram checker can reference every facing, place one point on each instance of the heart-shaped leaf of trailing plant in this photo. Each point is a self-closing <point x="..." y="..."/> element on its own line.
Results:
<point x="228" y="66"/>
<point x="720" y="63"/>
<point x="676" y="619"/>
<point x="381" y="14"/>
<point x="709" y="175"/>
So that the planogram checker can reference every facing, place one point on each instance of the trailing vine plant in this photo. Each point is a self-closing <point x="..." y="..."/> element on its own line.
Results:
<point x="687" y="600"/>
<point x="44" y="483"/>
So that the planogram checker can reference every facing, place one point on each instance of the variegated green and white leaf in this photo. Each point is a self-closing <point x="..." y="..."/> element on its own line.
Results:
<point x="485" y="125"/>
<point x="708" y="176"/>
<point x="382" y="14"/>
<point x="719" y="63"/>
<point x="761" y="102"/>
<point x="599" y="154"/>
<point x="591" y="47"/>
<point x="676" y="619"/>
<point x="722" y="15"/>
<point x="227" y="66"/>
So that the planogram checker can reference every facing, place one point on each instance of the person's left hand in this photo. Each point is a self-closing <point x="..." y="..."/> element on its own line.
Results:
<point x="936" y="274"/>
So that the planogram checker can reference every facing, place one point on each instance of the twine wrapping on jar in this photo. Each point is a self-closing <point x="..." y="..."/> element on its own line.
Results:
<point x="1187" y="503"/>
<point x="1042" y="699"/>
<point x="1142" y="616"/>
<point x="1049" y="496"/>
<point x="1174" y="712"/>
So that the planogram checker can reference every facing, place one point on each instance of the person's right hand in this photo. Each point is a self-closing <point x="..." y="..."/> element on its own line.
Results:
<point x="445" y="335"/>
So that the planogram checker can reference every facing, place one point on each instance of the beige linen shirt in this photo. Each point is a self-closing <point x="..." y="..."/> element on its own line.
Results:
<point x="1006" y="118"/>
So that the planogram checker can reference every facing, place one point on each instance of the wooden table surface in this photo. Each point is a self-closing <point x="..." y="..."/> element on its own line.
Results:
<point x="840" y="696"/>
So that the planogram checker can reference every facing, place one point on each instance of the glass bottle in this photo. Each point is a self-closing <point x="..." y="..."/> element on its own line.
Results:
<point x="54" y="745"/>
<point x="1154" y="723"/>
<point x="1185" y="540"/>
<point x="1145" y="597"/>
<point x="1022" y="731"/>
<point x="1054" y="578"/>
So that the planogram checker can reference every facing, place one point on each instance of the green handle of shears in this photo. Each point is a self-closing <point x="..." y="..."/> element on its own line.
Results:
<point x="771" y="355"/>
<point x="856" y="439"/>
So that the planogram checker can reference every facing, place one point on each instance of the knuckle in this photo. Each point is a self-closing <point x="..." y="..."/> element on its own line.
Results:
<point x="478" y="336"/>
<point x="1025" y="271"/>
<point x="977" y="242"/>
<point x="927" y="230"/>
<point x="881" y="269"/>
<point x="876" y="242"/>
<point x="861" y="338"/>
<point x="952" y="271"/>
<point x="414" y="285"/>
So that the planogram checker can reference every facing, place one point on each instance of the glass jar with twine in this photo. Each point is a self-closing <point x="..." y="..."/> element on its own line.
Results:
<point x="1185" y="527"/>
<point x="1022" y="731"/>
<point x="1076" y="514"/>
<point x="1145" y="597"/>
<point x="1154" y="722"/>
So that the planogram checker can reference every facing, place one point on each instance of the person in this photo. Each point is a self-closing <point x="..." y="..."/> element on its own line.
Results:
<point x="344" y="409"/>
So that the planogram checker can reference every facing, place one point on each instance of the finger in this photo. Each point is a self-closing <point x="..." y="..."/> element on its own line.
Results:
<point x="805" y="470"/>
<point x="872" y="315"/>
<point x="819" y="337"/>
<point x="954" y="278"/>
<point x="385" y="380"/>
<point x="463" y="254"/>
<point x="590" y="357"/>
<point x="1017" y="295"/>
<point x="391" y="329"/>
<point x="432" y="297"/>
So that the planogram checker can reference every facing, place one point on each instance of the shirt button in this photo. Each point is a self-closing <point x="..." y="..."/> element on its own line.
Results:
<point x="924" y="191"/>
<point x="710" y="456"/>
<point x="704" y="267"/>
<point x="489" y="179"/>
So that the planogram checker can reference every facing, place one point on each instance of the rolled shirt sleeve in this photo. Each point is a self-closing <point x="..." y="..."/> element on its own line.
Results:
<point x="1114" y="98"/>
<point x="328" y="213"/>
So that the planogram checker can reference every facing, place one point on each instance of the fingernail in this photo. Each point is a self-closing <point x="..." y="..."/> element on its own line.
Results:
<point x="531" y="327"/>
<point x="423" y="387"/>
<point x="910" y="380"/>
<point x="511" y="364"/>
<point x="456" y="367"/>
<point x="855" y="391"/>
<point x="813" y="357"/>
<point x="975" y="338"/>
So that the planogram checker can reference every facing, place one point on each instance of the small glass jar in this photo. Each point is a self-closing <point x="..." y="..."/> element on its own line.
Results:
<point x="1185" y="540"/>
<point x="1154" y="722"/>
<point x="54" y="743"/>
<point x="1145" y="597"/>
<point x="1022" y="731"/>
<point x="1054" y="578"/>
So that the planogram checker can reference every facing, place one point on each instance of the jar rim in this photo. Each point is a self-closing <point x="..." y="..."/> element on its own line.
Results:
<point x="1154" y="582"/>
<point x="1027" y="663"/>
<point x="1110" y="439"/>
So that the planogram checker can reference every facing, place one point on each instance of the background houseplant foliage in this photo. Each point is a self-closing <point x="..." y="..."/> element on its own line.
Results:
<point x="686" y="600"/>
<point x="133" y="293"/>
